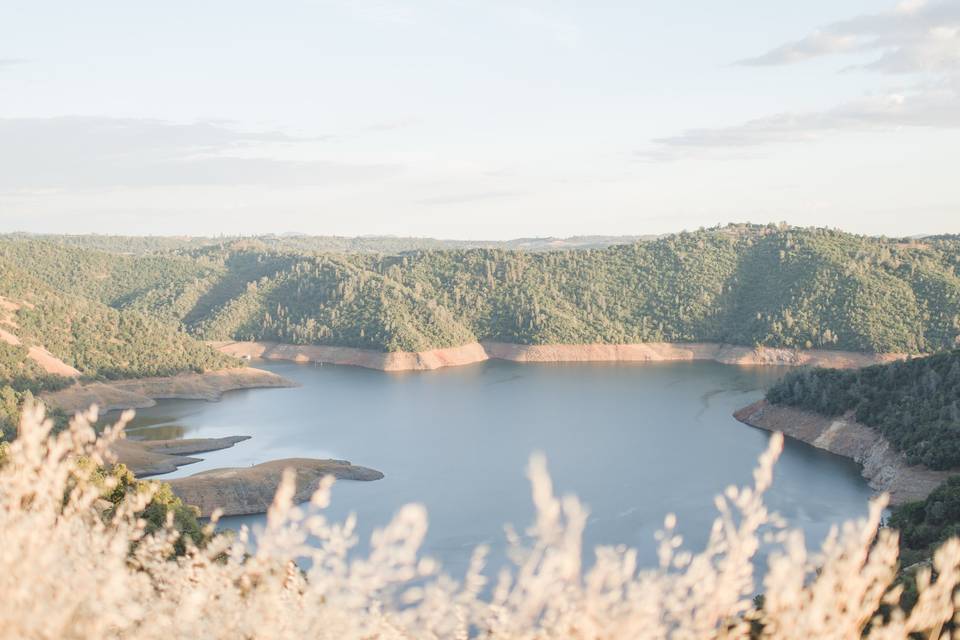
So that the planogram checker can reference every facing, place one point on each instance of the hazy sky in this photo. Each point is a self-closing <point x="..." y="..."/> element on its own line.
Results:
<point x="478" y="118"/>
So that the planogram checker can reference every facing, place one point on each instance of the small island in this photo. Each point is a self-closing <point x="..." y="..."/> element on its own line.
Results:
<point x="250" y="490"/>
<point x="235" y="491"/>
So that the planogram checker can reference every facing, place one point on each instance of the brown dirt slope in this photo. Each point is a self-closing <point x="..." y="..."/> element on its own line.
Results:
<point x="46" y="360"/>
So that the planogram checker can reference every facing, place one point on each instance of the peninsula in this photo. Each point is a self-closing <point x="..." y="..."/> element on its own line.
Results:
<point x="898" y="420"/>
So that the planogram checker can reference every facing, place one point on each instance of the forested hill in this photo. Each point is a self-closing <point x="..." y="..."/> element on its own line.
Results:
<point x="96" y="339"/>
<point x="81" y="334"/>
<point x="915" y="404"/>
<point x="741" y="284"/>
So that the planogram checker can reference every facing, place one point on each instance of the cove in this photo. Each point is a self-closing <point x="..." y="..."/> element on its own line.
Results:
<point x="633" y="441"/>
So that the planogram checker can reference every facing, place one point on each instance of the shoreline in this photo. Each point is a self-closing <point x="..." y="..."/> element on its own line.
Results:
<point x="140" y="393"/>
<point x="474" y="352"/>
<point x="884" y="468"/>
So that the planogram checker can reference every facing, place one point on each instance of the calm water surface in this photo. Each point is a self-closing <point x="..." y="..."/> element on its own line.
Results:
<point x="634" y="442"/>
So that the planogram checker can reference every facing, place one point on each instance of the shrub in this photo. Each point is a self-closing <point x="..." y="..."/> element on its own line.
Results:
<point x="65" y="572"/>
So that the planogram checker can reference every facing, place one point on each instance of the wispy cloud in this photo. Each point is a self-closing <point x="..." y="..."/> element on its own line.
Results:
<point x="926" y="109"/>
<point x="916" y="38"/>
<point x="99" y="152"/>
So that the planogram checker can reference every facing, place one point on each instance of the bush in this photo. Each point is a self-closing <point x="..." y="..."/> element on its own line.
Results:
<point x="66" y="573"/>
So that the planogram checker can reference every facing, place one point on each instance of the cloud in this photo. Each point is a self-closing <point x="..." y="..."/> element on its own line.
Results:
<point x="885" y="112"/>
<point x="100" y="152"/>
<point x="814" y="45"/>
<point x="915" y="38"/>
<point x="912" y="37"/>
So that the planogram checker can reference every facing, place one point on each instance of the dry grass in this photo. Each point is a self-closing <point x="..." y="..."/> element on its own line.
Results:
<point x="65" y="573"/>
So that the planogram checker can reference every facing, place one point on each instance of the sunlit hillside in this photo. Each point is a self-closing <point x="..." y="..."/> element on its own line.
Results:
<point x="740" y="284"/>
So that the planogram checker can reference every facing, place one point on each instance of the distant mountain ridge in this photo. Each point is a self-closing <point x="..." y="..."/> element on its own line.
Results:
<point x="293" y="241"/>
<point x="753" y="285"/>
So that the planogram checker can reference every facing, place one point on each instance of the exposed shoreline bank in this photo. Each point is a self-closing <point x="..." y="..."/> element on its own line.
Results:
<point x="480" y="351"/>
<point x="139" y="393"/>
<point x="884" y="468"/>
<point x="155" y="457"/>
<point x="234" y="491"/>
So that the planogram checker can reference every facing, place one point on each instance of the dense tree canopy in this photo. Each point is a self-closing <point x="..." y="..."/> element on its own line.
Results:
<point x="100" y="341"/>
<point x="926" y="523"/>
<point x="741" y="284"/>
<point x="915" y="404"/>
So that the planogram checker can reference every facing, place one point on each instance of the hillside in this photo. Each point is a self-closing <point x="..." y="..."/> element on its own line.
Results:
<point x="742" y="284"/>
<point x="915" y="404"/>
<point x="98" y="340"/>
<point x="50" y="337"/>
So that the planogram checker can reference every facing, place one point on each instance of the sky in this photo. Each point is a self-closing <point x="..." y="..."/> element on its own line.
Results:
<point x="478" y="119"/>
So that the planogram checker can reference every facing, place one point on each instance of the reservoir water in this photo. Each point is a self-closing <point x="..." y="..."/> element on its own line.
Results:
<point x="634" y="442"/>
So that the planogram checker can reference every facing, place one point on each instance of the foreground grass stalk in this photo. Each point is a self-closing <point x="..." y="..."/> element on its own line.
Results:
<point x="70" y="570"/>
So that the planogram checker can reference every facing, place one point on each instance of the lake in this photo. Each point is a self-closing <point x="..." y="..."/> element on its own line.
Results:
<point x="633" y="441"/>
